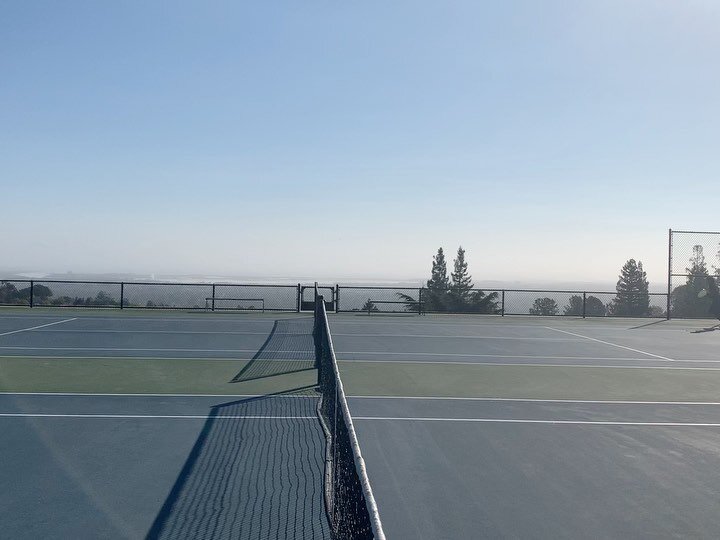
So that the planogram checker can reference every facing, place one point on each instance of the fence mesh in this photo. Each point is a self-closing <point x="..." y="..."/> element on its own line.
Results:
<point x="15" y="293"/>
<point x="166" y="295"/>
<point x="76" y="294"/>
<point x="379" y="299"/>
<point x="371" y="300"/>
<point x="254" y="297"/>
<point x="693" y="257"/>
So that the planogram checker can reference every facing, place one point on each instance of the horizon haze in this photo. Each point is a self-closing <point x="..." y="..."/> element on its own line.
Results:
<point x="553" y="141"/>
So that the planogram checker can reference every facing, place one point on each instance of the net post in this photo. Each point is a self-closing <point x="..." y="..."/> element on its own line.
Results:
<point x="502" y="303"/>
<point x="122" y="295"/>
<point x="32" y="290"/>
<point x="584" y="304"/>
<point x="669" y="287"/>
<point x="317" y="341"/>
<point x="213" y="299"/>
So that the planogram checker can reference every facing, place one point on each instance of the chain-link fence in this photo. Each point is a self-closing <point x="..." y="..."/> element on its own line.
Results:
<point x="693" y="256"/>
<point x="15" y="293"/>
<point x="501" y="302"/>
<point x="369" y="300"/>
<point x="254" y="297"/>
<point x="379" y="299"/>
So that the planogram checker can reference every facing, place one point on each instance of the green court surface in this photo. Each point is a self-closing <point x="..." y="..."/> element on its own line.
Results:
<point x="524" y="381"/>
<point x="135" y="375"/>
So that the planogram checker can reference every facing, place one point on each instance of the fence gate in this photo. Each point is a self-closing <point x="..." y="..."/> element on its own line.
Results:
<point x="692" y="256"/>
<point x="307" y="297"/>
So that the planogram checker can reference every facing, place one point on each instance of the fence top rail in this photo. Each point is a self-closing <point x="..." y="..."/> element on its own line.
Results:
<point x="379" y="288"/>
<point x="627" y="293"/>
<point x="79" y="282"/>
<point x="165" y="283"/>
<point x="294" y="287"/>
<point x="694" y="232"/>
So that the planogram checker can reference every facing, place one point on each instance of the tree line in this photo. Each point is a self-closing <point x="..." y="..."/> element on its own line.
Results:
<point x="43" y="295"/>
<point x="456" y="293"/>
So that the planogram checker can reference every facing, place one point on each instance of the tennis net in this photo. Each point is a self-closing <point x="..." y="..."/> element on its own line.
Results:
<point x="349" y="501"/>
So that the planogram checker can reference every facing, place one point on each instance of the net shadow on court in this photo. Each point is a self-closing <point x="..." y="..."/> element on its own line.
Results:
<point x="288" y="349"/>
<point x="255" y="471"/>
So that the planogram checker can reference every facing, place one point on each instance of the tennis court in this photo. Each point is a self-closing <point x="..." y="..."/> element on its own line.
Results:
<point x="179" y="425"/>
<point x="159" y="425"/>
<point x="476" y="427"/>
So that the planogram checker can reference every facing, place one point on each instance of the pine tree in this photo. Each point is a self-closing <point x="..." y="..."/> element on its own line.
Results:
<point x="461" y="285"/>
<point x="633" y="298"/>
<point x="544" y="306"/>
<point x="685" y="299"/>
<point x="436" y="296"/>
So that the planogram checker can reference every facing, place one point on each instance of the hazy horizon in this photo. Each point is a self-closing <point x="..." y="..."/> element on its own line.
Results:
<point x="553" y="141"/>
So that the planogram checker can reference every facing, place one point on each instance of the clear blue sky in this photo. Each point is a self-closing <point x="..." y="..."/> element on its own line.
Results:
<point x="552" y="139"/>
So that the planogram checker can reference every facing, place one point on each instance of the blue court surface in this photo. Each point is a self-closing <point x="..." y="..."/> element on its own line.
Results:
<point x="189" y="425"/>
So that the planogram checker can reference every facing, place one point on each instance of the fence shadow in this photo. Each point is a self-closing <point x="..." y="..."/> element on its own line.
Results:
<point x="255" y="471"/>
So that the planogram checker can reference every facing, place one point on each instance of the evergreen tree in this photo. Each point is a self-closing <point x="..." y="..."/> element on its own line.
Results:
<point x="575" y="306"/>
<point x="632" y="299"/>
<point x="369" y="306"/>
<point x="685" y="300"/>
<point x="593" y="306"/>
<point x="484" y="303"/>
<point x="436" y="296"/>
<point x="461" y="285"/>
<point x="544" y="306"/>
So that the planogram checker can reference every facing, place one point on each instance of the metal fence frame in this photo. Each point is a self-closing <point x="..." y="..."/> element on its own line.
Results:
<point x="293" y="298"/>
<point x="504" y="295"/>
<point x="214" y="293"/>
<point x="671" y="259"/>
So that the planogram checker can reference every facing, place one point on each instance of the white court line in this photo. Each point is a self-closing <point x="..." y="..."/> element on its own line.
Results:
<point x="90" y="394"/>
<point x="136" y="349"/>
<point x="432" y="336"/>
<point x="181" y="416"/>
<point x="536" y="400"/>
<point x="529" y="364"/>
<point x="470" y="355"/>
<point x="611" y="344"/>
<point x="36" y="327"/>
<point x="208" y="358"/>
<point x="81" y="331"/>
<point x="550" y="422"/>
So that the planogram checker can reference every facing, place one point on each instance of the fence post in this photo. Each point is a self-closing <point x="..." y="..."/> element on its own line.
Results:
<point x="298" y="298"/>
<point x="502" y="304"/>
<point x="32" y="290"/>
<point x="122" y="295"/>
<point x="213" y="297"/>
<point x="420" y="310"/>
<point x="669" y="289"/>
<point x="584" y="303"/>
<point x="337" y="298"/>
